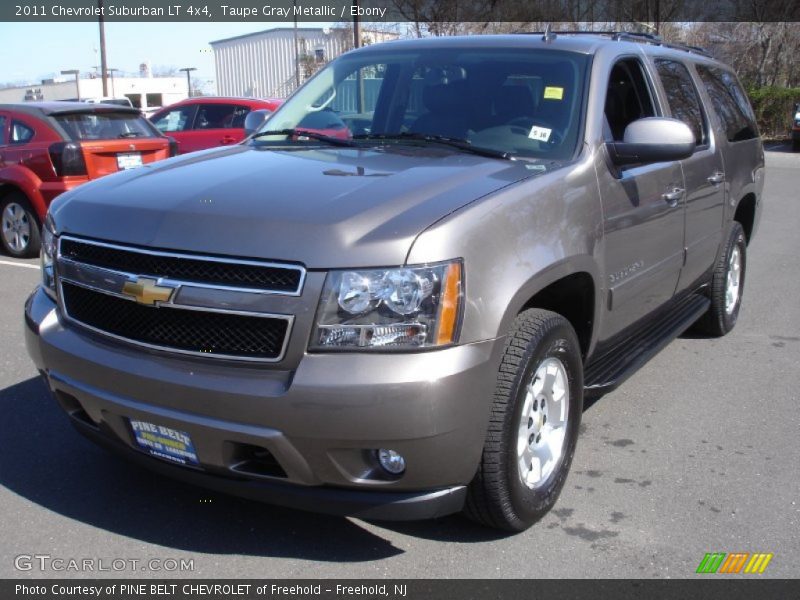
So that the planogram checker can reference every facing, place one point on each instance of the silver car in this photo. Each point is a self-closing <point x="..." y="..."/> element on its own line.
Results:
<point x="392" y="300"/>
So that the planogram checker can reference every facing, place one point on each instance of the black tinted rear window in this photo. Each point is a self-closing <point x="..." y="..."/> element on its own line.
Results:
<point x="104" y="126"/>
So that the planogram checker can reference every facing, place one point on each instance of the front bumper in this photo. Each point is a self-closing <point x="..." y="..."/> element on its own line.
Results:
<point x="320" y="422"/>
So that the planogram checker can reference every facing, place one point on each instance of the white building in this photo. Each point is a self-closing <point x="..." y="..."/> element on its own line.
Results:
<point x="143" y="92"/>
<point x="262" y="64"/>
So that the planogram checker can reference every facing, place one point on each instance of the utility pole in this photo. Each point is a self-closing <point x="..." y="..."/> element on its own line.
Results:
<point x="296" y="51"/>
<point x="103" y="64"/>
<point x="189" y="78"/>
<point x="356" y="26"/>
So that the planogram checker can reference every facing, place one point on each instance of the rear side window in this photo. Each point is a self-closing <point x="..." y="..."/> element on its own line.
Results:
<point x="730" y="103"/>
<point x="2" y="129"/>
<point x="103" y="126"/>
<point x="220" y="116"/>
<point x="177" y="119"/>
<point x="682" y="97"/>
<point x="20" y="133"/>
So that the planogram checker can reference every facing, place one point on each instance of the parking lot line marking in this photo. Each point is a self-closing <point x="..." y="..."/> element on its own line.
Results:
<point x="16" y="264"/>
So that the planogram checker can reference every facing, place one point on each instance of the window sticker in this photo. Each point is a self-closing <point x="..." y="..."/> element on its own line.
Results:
<point x="541" y="134"/>
<point x="553" y="93"/>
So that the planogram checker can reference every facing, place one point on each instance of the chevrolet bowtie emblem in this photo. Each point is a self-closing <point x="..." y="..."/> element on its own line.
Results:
<point x="147" y="291"/>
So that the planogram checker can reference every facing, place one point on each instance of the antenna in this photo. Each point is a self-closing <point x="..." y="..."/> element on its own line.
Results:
<point x="548" y="36"/>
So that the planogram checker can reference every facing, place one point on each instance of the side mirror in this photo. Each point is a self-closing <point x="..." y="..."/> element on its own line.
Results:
<point x="652" y="139"/>
<point x="255" y="119"/>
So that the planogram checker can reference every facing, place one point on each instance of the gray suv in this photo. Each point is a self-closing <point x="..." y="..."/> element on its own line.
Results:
<point x="393" y="298"/>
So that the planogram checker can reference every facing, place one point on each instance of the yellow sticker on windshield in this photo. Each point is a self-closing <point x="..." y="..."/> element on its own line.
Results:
<point x="553" y="93"/>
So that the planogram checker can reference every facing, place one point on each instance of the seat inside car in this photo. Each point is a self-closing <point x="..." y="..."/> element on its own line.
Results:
<point x="513" y="102"/>
<point x="447" y="113"/>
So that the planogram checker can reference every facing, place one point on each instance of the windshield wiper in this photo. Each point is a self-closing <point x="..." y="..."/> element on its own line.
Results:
<point x="458" y="143"/>
<point x="333" y="141"/>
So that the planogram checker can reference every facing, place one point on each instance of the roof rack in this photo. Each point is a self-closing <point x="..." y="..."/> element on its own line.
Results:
<point x="627" y="36"/>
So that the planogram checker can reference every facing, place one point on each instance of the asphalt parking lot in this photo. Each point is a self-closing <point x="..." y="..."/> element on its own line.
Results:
<point x="697" y="453"/>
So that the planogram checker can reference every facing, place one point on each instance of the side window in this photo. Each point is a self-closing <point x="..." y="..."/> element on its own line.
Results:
<point x="215" y="116"/>
<point x="730" y="103"/>
<point x="628" y="97"/>
<point x="682" y="97"/>
<point x="2" y="129"/>
<point x="178" y="119"/>
<point x="20" y="133"/>
<point x="239" y="114"/>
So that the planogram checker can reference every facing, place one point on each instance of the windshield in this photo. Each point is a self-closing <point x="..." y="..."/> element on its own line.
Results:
<point x="104" y="126"/>
<point x="518" y="101"/>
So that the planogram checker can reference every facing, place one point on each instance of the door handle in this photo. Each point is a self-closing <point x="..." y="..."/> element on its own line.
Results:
<point x="672" y="197"/>
<point x="716" y="178"/>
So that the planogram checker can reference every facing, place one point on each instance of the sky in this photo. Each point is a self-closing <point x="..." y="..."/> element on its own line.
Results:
<point x="61" y="46"/>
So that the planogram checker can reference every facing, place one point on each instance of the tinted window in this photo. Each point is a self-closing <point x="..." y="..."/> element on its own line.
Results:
<point x="628" y="97"/>
<point x="519" y="101"/>
<point x="104" y="126"/>
<point x="682" y="97"/>
<point x="20" y="133"/>
<point x="2" y="129"/>
<point x="220" y="116"/>
<point x="730" y="103"/>
<point x="177" y="119"/>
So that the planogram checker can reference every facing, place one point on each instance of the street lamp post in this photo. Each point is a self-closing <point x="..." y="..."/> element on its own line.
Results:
<point x="75" y="72"/>
<point x="113" y="92"/>
<point x="189" y="78"/>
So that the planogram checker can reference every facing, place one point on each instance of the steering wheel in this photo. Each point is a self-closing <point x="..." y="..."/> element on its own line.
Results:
<point x="525" y="124"/>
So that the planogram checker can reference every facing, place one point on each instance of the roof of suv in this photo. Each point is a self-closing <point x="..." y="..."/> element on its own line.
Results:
<point x="56" y="107"/>
<point x="575" y="41"/>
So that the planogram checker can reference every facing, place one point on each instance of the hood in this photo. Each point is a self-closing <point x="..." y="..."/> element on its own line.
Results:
<point x="323" y="207"/>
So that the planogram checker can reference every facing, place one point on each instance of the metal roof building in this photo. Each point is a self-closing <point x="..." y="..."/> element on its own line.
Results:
<point x="262" y="64"/>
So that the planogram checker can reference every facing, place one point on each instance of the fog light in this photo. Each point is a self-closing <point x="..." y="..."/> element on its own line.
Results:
<point x="392" y="461"/>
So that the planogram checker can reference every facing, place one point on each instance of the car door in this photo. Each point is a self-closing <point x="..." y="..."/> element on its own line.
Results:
<point x="21" y="134"/>
<point x="643" y="209"/>
<point x="703" y="173"/>
<point x="218" y="124"/>
<point x="3" y="138"/>
<point x="177" y="122"/>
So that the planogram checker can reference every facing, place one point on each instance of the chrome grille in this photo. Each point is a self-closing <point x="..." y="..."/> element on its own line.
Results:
<point x="220" y="334"/>
<point x="102" y="289"/>
<point x="218" y="272"/>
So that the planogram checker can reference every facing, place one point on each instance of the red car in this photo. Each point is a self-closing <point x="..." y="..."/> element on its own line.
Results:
<point x="47" y="148"/>
<point x="206" y="122"/>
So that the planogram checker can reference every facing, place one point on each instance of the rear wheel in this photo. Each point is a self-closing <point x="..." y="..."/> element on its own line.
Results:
<point x="533" y="427"/>
<point x="727" y="285"/>
<point x="19" y="225"/>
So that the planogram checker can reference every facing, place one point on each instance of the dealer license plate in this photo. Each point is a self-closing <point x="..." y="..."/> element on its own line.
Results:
<point x="163" y="442"/>
<point x="129" y="160"/>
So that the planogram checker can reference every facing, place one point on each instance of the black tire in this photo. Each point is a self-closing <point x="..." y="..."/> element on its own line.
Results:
<point x="718" y="321"/>
<point x="795" y="145"/>
<point x="32" y="241"/>
<point x="497" y="496"/>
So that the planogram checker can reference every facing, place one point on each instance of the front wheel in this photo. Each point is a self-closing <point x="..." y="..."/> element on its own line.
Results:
<point x="533" y="427"/>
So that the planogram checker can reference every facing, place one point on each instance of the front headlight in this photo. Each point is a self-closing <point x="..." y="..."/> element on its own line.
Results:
<point x="47" y="256"/>
<point x="390" y="309"/>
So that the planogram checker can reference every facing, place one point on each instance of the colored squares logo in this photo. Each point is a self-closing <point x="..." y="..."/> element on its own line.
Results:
<point x="735" y="562"/>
